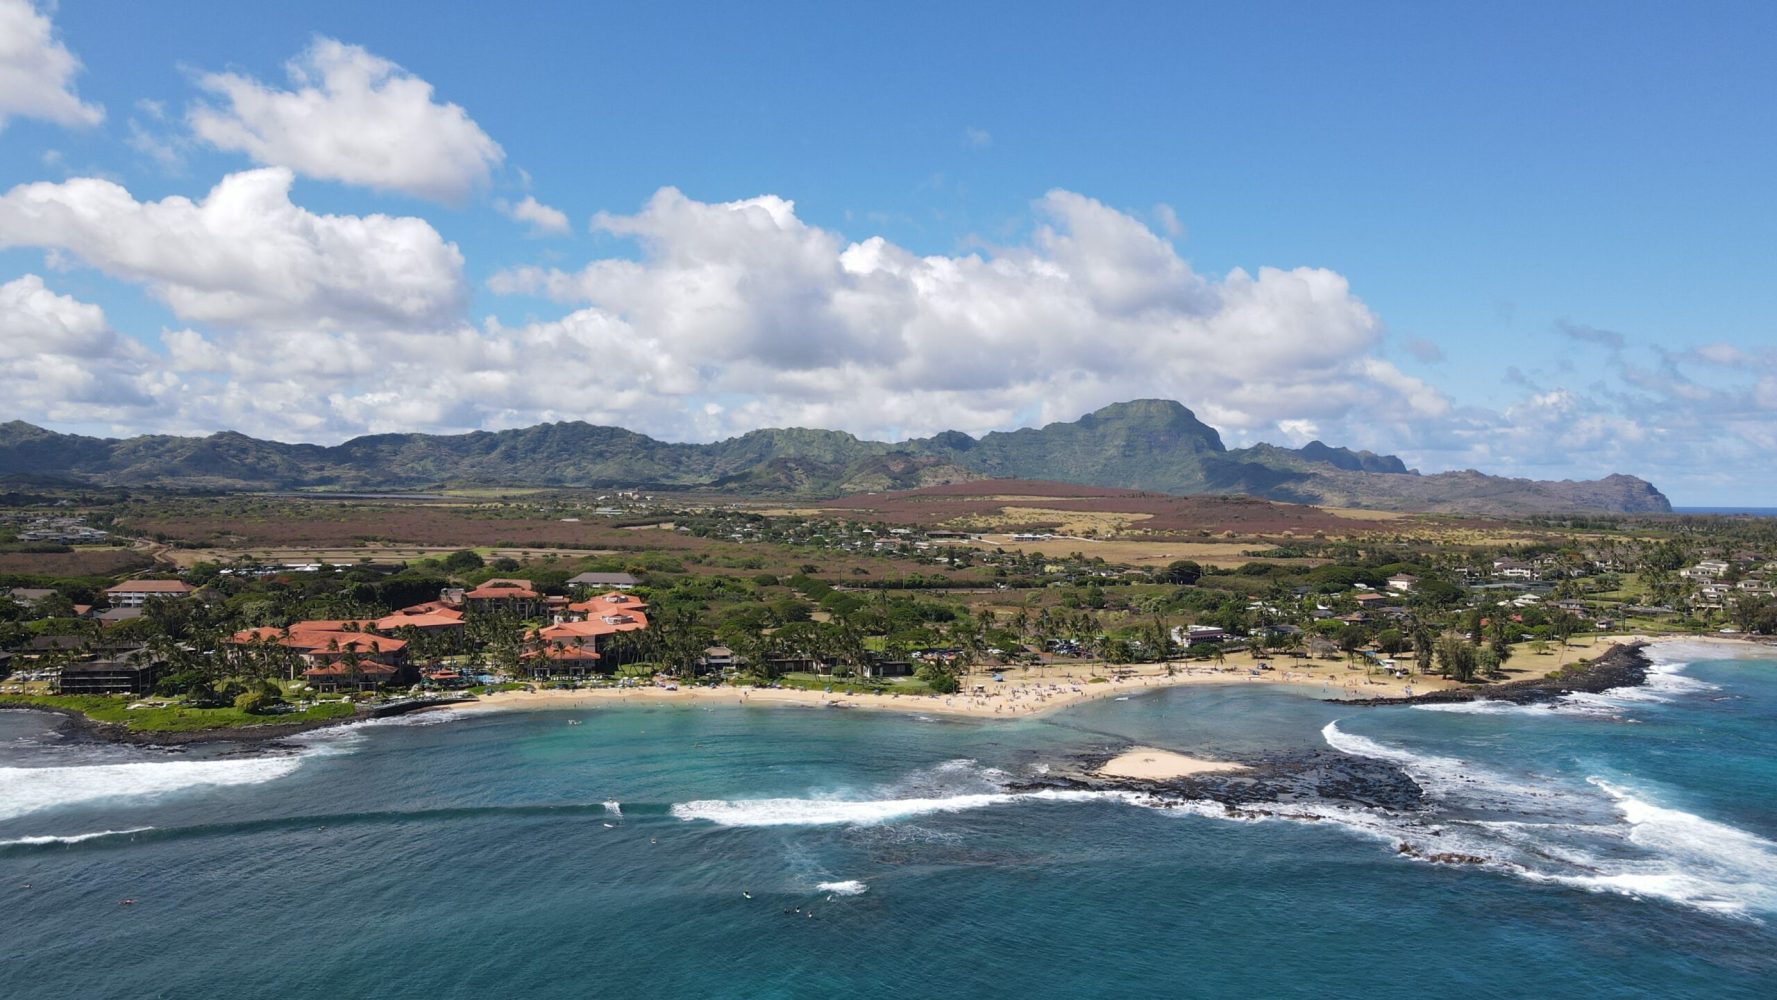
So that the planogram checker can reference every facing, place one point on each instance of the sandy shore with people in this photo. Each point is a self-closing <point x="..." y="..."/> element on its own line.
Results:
<point x="1020" y="693"/>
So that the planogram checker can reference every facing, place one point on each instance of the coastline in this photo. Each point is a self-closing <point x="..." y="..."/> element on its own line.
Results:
<point x="1026" y="692"/>
<point x="80" y="726"/>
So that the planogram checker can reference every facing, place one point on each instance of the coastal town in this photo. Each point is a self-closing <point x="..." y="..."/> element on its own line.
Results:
<point x="843" y="609"/>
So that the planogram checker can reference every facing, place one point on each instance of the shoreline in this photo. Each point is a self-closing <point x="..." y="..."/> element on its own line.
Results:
<point x="79" y="726"/>
<point x="1026" y="693"/>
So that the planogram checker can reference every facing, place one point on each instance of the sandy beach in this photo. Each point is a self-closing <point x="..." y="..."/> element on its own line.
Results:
<point x="1148" y="764"/>
<point x="1023" y="691"/>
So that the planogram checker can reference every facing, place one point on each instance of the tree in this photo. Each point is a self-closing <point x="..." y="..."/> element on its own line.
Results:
<point x="255" y="702"/>
<point x="462" y="561"/>
<point x="1182" y="573"/>
<point x="1456" y="658"/>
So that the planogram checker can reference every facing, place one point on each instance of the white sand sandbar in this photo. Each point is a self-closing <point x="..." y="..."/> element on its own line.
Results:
<point x="1147" y="764"/>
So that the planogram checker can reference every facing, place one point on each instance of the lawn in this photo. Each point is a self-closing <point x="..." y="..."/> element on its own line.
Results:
<point x="172" y="718"/>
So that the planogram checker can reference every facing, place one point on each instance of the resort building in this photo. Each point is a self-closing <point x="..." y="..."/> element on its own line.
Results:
<point x="327" y="644"/>
<point x="135" y="593"/>
<point x="592" y="623"/>
<point x="603" y="581"/>
<point x="516" y="597"/>
<point x="135" y="675"/>
<point x="1194" y="635"/>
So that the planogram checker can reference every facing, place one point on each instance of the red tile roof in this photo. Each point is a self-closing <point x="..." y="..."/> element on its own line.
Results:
<point x="500" y="588"/>
<point x="367" y="670"/>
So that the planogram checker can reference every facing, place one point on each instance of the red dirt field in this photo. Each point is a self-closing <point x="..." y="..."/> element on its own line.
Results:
<point x="937" y="505"/>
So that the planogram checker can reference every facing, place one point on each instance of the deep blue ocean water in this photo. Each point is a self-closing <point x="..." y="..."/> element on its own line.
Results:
<point x="1631" y="845"/>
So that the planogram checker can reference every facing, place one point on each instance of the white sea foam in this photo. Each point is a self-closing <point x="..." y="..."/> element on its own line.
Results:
<point x="1635" y="847"/>
<point x="1689" y="859"/>
<point x="614" y="808"/>
<point x="26" y="790"/>
<point x="1483" y="706"/>
<point x="1442" y="777"/>
<point x="850" y="887"/>
<point x="72" y="839"/>
<point x="835" y="812"/>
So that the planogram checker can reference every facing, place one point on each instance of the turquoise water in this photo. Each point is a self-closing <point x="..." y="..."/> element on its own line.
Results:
<point x="1629" y="844"/>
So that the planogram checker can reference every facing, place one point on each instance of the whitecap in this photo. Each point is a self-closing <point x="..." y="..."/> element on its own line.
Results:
<point x="834" y="812"/>
<point x="26" y="790"/>
<point x="850" y="887"/>
<point x="614" y="808"/>
<point x="71" y="839"/>
<point x="1443" y="777"/>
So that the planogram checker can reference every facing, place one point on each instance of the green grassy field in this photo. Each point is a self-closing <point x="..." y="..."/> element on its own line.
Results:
<point x="172" y="718"/>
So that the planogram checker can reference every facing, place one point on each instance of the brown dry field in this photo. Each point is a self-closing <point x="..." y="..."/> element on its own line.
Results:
<point x="1021" y="504"/>
<point x="349" y="532"/>
<point x="1141" y="552"/>
<point x="80" y="562"/>
<point x="383" y="554"/>
<point x="338" y="526"/>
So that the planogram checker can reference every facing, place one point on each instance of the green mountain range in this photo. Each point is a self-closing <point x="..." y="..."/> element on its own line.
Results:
<point x="1147" y="444"/>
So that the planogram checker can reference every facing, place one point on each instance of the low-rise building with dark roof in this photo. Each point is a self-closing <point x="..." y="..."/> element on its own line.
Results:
<point x="134" y="675"/>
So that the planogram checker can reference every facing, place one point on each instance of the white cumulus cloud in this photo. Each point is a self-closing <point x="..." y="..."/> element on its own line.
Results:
<point x="61" y="361"/>
<point x="244" y="255"/>
<point x="543" y="220"/>
<point x="353" y="117"/>
<point x="37" y="71"/>
<point x="804" y="326"/>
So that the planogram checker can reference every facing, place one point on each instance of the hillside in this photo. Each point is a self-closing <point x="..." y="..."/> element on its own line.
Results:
<point x="1155" y="445"/>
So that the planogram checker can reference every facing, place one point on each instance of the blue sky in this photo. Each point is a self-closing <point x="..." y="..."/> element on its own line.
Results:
<point x="1534" y="239"/>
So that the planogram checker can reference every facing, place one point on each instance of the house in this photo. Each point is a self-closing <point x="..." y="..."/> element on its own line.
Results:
<point x="1512" y="569"/>
<point x="1402" y="582"/>
<point x="134" y="675"/>
<point x="29" y="596"/>
<point x="1707" y="569"/>
<point x="603" y="581"/>
<point x="718" y="658"/>
<point x="1370" y="599"/>
<point x="135" y="593"/>
<point x="1195" y="635"/>
<point x="115" y="616"/>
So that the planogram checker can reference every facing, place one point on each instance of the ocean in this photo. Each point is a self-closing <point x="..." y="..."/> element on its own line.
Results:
<point x="1625" y="845"/>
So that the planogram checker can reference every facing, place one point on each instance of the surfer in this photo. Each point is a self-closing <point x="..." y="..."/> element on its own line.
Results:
<point x="745" y="894"/>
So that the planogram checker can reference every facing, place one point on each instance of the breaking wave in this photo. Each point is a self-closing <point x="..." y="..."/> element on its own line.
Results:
<point x="831" y="812"/>
<point x="1619" y="843"/>
<point x="46" y="840"/>
<point x="850" y="887"/>
<point x="25" y="790"/>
